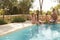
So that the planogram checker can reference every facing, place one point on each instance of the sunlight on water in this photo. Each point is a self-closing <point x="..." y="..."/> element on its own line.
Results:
<point x="46" y="34"/>
<point x="35" y="32"/>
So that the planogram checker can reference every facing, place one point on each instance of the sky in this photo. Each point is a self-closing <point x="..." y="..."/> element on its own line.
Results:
<point x="47" y="4"/>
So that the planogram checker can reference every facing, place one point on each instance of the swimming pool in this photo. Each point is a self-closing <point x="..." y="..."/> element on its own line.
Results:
<point x="35" y="32"/>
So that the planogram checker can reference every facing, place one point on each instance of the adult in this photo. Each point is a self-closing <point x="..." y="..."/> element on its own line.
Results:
<point x="54" y="16"/>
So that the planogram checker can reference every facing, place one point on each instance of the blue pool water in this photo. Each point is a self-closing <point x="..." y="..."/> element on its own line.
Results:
<point x="35" y="32"/>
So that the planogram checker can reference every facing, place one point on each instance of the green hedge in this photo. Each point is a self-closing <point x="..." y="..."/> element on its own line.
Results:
<point x="18" y="19"/>
<point x="2" y="22"/>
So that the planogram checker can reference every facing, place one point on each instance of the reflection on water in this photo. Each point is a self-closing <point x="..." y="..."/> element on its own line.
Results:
<point x="48" y="32"/>
<point x="36" y="32"/>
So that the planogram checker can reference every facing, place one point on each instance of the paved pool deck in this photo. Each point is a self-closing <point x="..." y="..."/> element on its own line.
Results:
<point x="5" y="29"/>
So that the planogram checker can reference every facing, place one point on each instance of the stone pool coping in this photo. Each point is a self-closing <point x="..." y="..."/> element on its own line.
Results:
<point x="5" y="29"/>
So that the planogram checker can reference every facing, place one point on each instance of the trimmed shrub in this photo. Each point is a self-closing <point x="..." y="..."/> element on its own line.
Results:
<point x="18" y="19"/>
<point x="28" y="19"/>
<point x="2" y="22"/>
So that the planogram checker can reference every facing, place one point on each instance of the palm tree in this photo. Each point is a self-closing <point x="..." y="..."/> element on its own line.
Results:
<point x="41" y="3"/>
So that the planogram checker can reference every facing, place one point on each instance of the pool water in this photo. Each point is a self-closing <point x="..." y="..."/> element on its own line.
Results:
<point x="35" y="32"/>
